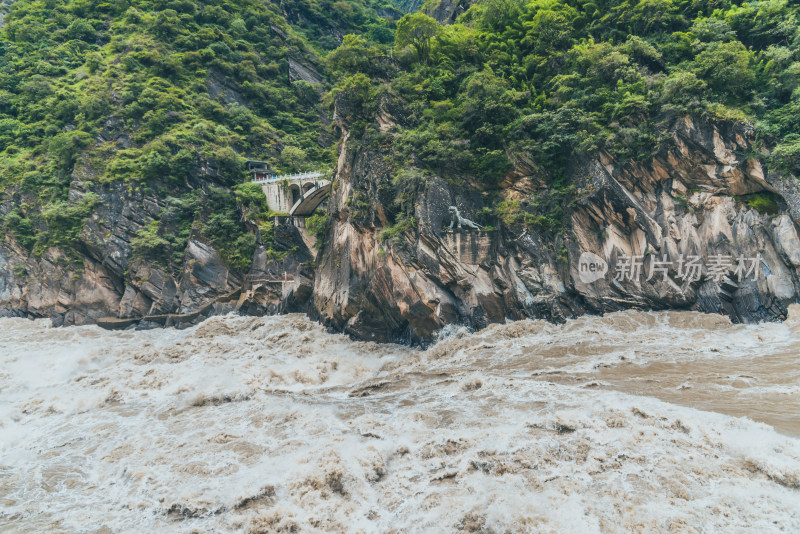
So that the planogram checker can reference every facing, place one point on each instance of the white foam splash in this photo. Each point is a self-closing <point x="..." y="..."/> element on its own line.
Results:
<point x="270" y="425"/>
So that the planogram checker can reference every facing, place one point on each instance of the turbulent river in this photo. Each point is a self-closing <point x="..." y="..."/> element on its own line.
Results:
<point x="632" y="422"/>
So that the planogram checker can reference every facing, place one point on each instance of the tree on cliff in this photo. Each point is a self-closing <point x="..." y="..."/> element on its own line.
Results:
<point x="417" y="31"/>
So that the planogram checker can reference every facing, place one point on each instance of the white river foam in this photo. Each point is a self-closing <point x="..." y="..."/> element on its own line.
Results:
<point x="633" y="422"/>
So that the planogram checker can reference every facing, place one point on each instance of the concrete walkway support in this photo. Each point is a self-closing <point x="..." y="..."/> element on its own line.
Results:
<point x="311" y="198"/>
<point x="295" y="194"/>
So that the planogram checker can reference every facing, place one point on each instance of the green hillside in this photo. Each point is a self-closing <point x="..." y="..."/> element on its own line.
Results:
<point x="211" y="75"/>
<point x="156" y="94"/>
<point x="552" y="80"/>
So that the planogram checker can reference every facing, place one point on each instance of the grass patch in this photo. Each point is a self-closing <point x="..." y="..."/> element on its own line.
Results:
<point x="766" y="203"/>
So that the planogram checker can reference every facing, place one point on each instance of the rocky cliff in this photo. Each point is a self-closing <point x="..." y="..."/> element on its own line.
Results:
<point x="686" y="201"/>
<point x="693" y="199"/>
<point x="121" y="194"/>
<point x="447" y="11"/>
<point x="101" y="277"/>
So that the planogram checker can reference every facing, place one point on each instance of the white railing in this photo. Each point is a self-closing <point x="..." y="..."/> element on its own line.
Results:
<point x="290" y="177"/>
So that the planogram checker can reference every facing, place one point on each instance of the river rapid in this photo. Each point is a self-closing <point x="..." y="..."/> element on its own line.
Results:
<point x="632" y="422"/>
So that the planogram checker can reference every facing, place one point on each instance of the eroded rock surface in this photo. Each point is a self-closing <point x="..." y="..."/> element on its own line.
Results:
<point x="686" y="201"/>
<point x="682" y="203"/>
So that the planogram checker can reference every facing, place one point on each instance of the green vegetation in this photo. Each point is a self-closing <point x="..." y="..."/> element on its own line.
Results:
<point x="317" y="225"/>
<point x="62" y="223"/>
<point x="149" y="245"/>
<point x="402" y="226"/>
<point x="765" y="203"/>
<point x="552" y="80"/>
<point x="173" y="95"/>
<point x="163" y="95"/>
<point x="786" y="156"/>
<point x="215" y="215"/>
<point x="417" y="31"/>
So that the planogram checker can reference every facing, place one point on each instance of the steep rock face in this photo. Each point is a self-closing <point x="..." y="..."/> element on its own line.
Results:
<point x="102" y="278"/>
<point x="409" y="6"/>
<point x="680" y="204"/>
<point x="686" y="201"/>
<point x="447" y="11"/>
